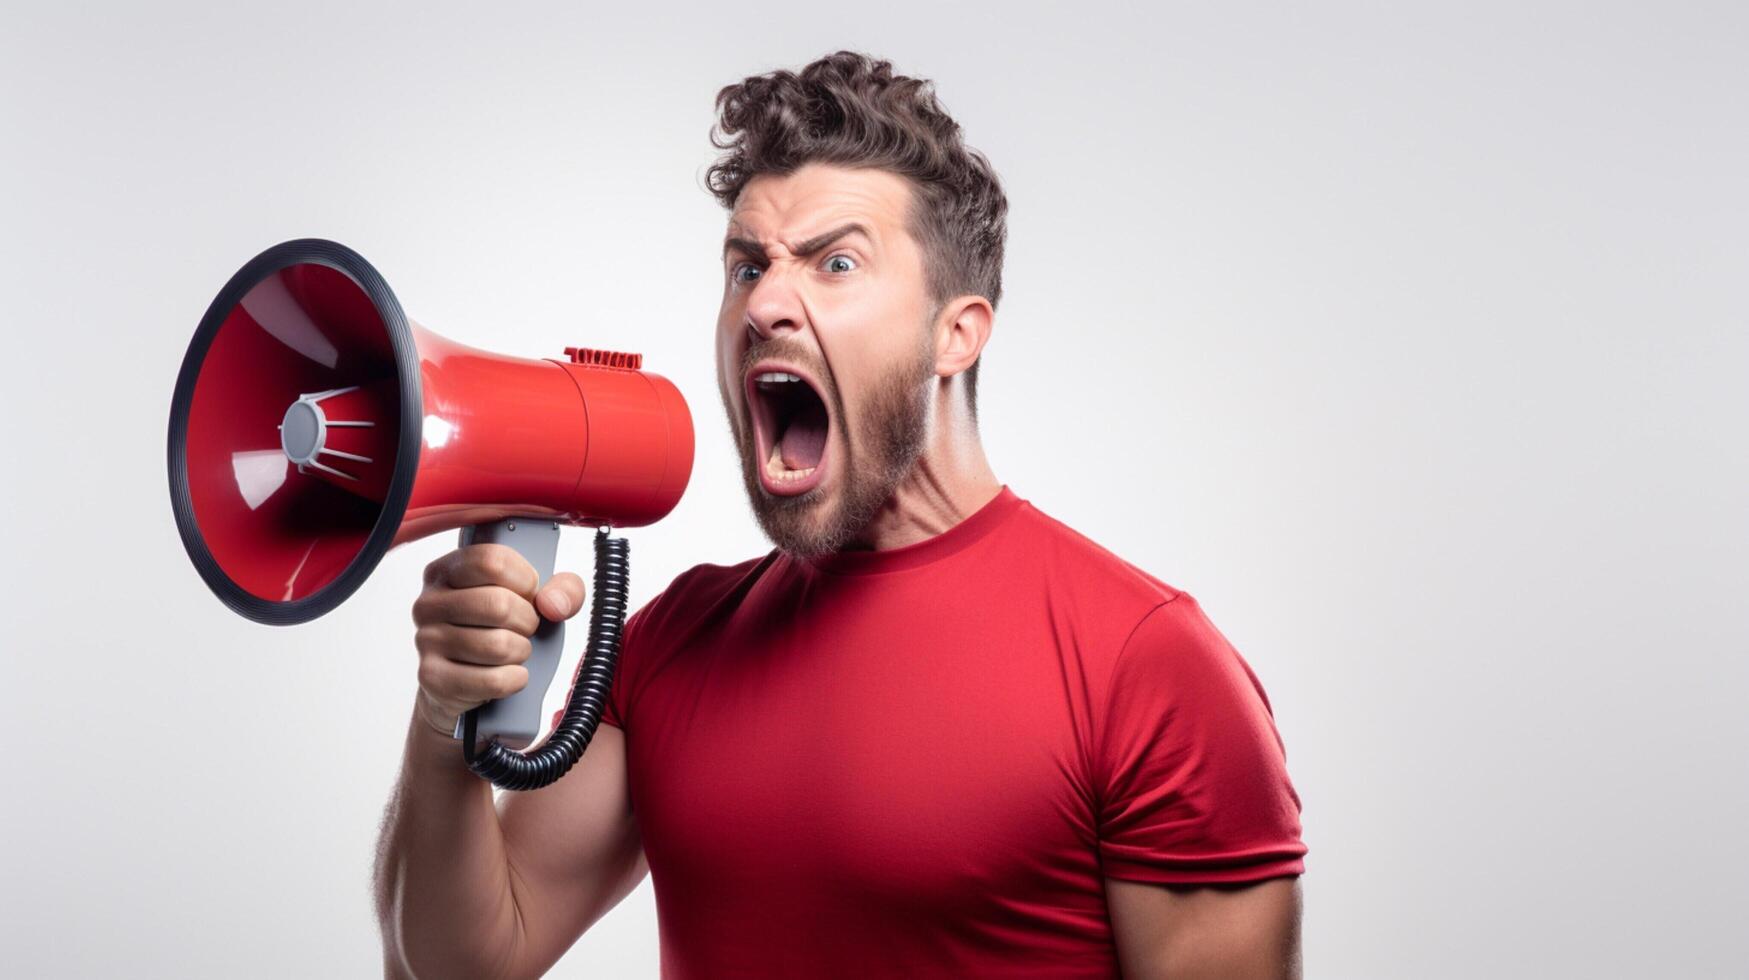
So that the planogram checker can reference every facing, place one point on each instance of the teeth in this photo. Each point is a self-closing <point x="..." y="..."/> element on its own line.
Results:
<point x="780" y="473"/>
<point x="772" y="377"/>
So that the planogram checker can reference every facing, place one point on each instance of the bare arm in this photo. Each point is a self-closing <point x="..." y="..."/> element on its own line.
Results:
<point x="464" y="887"/>
<point x="1206" y="932"/>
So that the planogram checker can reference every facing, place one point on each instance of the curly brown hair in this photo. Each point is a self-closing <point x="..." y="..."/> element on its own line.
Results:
<point x="850" y="110"/>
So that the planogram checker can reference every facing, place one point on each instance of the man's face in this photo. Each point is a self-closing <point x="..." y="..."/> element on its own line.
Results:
<point x="823" y="282"/>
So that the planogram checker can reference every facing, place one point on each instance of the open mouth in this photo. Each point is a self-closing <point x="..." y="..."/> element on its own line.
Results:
<point x="791" y="429"/>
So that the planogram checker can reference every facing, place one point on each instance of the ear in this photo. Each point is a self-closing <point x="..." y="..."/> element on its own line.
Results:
<point x="961" y="331"/>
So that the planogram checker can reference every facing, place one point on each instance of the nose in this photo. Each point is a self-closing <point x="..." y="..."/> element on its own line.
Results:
<point x="774" y="306"/>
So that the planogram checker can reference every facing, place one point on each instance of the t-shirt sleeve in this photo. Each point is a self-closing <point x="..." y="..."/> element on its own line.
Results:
<point x="1192" y="773"/>
<point x="610" y="714"/>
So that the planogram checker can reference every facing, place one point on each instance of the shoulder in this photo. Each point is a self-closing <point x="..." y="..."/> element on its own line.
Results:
<point x="709" y="578"/>
<point x="695" y="592"/>
<point x="1176" y="668"/>
<point x="1151" y="636"/>
<point x="1087" y="571"/>
<point x="1098" y="603"/>
<point x="1177" y="636"/>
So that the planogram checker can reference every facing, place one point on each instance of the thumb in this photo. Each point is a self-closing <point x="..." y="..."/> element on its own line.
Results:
<point x="560" y="598"/>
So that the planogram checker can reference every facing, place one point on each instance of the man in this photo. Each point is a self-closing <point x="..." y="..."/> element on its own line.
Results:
<point x="933" y="732"/>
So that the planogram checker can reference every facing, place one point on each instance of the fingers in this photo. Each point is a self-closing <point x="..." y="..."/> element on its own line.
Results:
<point x="484" y="605"/>
<point x="484" y="564"/>
<point x="473" y="621"/>
<point x="561" y="597"/>
<point x="472" y="644"/>
<point x="458" y="687"/>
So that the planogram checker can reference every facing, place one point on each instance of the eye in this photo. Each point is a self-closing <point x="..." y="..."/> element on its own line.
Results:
<point x="738" y="273"/>
<point x="840" y="263"/>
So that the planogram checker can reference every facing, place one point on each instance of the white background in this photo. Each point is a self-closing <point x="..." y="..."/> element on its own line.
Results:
<point x="1412" y="342"/>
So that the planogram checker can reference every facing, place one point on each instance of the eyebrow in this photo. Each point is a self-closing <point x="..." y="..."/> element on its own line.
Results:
<point x="756" y="248"/>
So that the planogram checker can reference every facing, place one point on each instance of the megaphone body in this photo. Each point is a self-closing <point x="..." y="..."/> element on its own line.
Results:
<point x="314" y="427"/>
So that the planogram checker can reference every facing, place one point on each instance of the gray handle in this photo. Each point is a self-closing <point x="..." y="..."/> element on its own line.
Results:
<point x="516" y="720"/>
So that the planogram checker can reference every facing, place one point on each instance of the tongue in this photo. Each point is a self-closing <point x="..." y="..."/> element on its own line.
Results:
<point x="804" y="440"/>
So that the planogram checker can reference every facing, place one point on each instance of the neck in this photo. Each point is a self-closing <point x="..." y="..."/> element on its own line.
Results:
<point x="950" y="481"/>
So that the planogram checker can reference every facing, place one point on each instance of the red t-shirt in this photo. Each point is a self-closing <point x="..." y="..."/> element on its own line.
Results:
<point x="923" y="761"/>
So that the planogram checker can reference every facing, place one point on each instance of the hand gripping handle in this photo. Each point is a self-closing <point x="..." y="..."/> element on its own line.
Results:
<point x="515" y="721"/>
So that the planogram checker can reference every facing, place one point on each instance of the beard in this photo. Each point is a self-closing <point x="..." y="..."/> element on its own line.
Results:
<point x="877" y="452"/>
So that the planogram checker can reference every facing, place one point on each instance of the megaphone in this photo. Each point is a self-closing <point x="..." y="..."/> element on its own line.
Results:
<point x="314" y="427"/>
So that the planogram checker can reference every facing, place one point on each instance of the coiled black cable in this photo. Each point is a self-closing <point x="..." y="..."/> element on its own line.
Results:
<point x="560" y="750"/>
